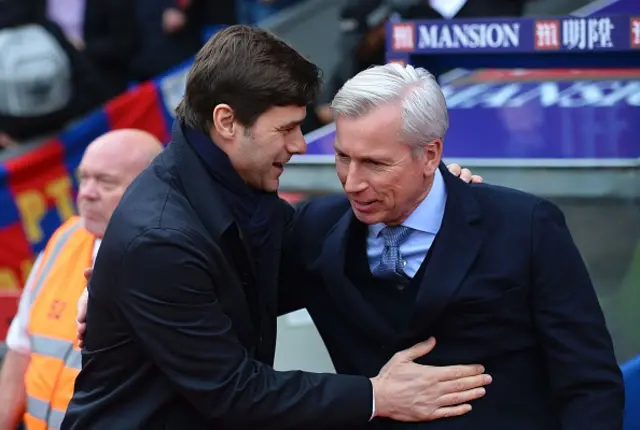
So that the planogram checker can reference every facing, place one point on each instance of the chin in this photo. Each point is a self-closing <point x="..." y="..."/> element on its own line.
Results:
<point x="368" y="219"/>
<point x="271" y="186"/>
<point x="95" y="228"/>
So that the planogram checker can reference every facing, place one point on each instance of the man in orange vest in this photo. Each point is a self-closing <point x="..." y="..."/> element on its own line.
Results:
<point x="43" y="360"/>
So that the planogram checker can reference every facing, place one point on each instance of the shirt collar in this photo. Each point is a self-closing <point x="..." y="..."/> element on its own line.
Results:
<point x="427" y="217"/>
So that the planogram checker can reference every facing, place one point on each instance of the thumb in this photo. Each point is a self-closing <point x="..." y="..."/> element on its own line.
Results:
<point x="419" y="349"/>
<point x="87" y="273"/>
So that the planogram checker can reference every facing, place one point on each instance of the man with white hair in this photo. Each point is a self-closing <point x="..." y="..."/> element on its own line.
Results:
<point x="39" y="370"/>
<point x="410" y="252"/>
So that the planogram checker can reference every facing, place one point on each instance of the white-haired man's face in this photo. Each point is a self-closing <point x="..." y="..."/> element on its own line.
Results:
<point x="383" y="176"/>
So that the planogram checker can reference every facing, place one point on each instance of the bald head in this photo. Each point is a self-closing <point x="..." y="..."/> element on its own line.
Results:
<point x="109" y="165"/>
<point x="134" y="148"/>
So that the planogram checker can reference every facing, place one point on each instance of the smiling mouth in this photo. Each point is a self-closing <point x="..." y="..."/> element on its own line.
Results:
<point x="359" y="203"/>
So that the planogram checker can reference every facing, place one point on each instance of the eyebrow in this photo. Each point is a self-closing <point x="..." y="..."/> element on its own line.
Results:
<point x="101" y="176"/>
<point x="364" y="159"/>
<point x="291" y="124"/>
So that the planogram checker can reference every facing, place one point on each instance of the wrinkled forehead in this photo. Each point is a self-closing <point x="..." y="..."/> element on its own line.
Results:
<point x="376" y="133"/>
<point x="112" y="160"/>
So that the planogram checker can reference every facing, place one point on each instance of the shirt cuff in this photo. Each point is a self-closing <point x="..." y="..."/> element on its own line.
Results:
<point x="373" y="403"/>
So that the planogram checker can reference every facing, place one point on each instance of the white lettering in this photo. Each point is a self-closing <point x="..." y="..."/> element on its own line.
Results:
<point x="600" y="33"/>
<point x="493" y="35"/>
<point x="546" y="94"/>
<point x="574" y="33"/>
<point x="581" y="33"/>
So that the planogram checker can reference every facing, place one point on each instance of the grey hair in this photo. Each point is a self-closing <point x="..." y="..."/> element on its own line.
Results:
<point x="424" y="108"/>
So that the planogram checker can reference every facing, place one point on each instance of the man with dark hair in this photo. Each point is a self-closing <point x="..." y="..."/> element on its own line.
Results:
<point x="181" y="320"/>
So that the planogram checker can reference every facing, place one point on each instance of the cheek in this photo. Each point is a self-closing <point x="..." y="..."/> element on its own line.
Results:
<point x="341" y="171"/>
<point x="406" y="187"/>
<point x="112" y="199"/>
<point x="387" y="185"/>
<point x="261" y="154"/>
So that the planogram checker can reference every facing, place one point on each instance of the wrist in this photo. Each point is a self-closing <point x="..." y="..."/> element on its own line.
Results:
<point x="378" y="398"/>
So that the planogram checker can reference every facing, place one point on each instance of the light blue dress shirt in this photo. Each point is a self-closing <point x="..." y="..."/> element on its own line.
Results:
<point x="425" y="222"/>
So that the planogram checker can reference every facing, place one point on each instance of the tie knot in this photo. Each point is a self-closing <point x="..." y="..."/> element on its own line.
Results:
<point x="395" y="235"/>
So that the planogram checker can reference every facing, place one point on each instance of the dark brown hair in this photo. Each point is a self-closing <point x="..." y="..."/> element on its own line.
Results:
<point x="249" y="69"/>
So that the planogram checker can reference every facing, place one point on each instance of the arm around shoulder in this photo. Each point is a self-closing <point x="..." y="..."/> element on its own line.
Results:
<point x="585" y="379"/>
<point x="167" y="292"/>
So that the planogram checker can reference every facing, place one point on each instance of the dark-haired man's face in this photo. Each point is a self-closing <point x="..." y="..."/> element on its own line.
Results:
<point x="260" y="153"/>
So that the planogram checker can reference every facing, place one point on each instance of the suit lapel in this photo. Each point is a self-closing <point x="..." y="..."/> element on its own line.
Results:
<point x="456" y="248"/>
<point x="331" y="266"/>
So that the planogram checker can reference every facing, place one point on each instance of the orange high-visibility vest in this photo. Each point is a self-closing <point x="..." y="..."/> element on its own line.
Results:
<point x="55" y="358"/>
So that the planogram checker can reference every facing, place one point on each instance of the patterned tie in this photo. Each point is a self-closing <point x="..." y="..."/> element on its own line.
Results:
<point x="391" y="264"/>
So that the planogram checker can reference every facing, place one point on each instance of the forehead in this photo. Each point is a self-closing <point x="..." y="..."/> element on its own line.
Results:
<point x="378" y="131"/>
<point x="105" y="159"/>
<point x="280" y="116"/>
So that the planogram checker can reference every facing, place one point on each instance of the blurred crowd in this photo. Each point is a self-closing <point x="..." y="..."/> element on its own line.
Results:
<point x="63" y="58"/>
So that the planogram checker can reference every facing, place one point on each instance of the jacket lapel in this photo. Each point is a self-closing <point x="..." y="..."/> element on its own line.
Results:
<point x="331" y="266"/>
<point x="217" y="219"/>
<point x="203" y="196"/>
<point x="457" y="247"/>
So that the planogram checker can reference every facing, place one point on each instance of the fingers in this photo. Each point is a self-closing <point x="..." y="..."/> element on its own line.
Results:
<point x="462" y="397"/>
<point x="82" y="306"/>
<point x="417" y="350"/>
<point x="476" y="179"/>
<point x="81" y="316"/>
<point x="81" y="330"/>
<point x="464" y="384"/>
<point x="450" y="373"/>
<point x="455" y="169"/>
<point x="451" y="411"/>
<point x="465" y="175"/>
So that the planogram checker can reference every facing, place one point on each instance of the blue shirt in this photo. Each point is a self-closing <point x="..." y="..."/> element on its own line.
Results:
<point x="425" y="222"/>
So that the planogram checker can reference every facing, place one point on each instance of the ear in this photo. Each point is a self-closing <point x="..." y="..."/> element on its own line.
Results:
<point x="432" y="154"/>
<point x="224" y="121"/>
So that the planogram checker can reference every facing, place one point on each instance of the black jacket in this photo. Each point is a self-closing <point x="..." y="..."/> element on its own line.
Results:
<point x="171" y="341"/>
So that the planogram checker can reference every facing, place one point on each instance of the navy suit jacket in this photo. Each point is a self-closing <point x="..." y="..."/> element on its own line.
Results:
<point x="179" y="336"/>
<point x="505" y="287"/>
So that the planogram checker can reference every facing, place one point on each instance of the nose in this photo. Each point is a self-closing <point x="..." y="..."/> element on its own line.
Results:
<point x="297" y="145"/>
<point x="353" y="182"/>
<point x="88" y="189"/>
